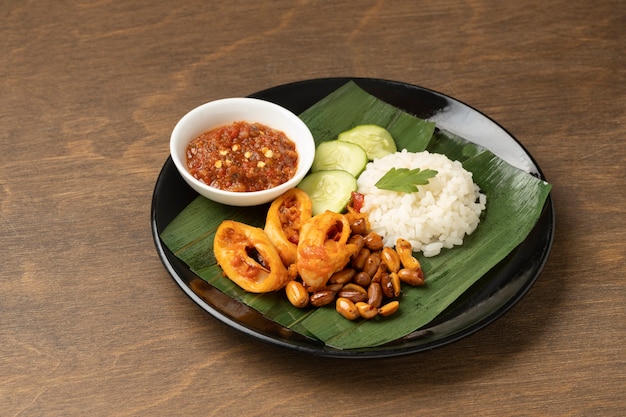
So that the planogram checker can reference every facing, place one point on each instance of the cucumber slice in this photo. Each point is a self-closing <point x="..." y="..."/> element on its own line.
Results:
<point x="376" y="140"/>
<point x="335" y="154"/>
<point x="329" y="190"/>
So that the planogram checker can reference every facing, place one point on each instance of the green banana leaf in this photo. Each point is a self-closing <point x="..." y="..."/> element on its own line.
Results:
<point x="515" y="200"/>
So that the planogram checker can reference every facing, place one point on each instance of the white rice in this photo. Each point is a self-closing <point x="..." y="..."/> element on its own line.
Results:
<point x="437" y="216"/>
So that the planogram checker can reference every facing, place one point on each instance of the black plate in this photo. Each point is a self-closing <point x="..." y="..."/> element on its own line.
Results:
<point x="493" y="295"/>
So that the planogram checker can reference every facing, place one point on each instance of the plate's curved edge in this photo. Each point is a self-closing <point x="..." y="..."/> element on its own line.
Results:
<point x="388" y="350"/>
<point x="384" y="351"/>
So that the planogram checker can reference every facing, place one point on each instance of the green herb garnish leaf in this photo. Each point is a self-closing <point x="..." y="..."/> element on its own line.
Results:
<point x="405" y="180"/>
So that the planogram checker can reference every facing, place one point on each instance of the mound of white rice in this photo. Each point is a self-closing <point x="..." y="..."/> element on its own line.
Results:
<point x="437" y="216"/>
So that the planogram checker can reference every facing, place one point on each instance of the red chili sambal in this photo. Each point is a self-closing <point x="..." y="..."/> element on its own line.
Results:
<point x="242" y="157"/>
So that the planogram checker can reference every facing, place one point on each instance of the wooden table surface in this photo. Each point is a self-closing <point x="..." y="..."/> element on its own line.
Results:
<point x="92" y="324"/>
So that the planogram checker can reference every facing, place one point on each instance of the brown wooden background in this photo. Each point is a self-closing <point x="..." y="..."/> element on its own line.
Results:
<point x="92" y="324"/>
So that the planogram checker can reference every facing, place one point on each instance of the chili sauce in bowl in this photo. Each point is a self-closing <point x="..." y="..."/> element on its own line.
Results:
<point x="241" y="151"/>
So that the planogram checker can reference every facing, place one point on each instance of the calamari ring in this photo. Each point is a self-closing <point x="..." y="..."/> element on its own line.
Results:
<point x="284" y="220"/>
<point x="323" y="248"/>
<point x="248" y="257"/>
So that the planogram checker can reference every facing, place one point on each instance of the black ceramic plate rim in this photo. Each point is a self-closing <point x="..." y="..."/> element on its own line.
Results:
<point x="453" y="115"/>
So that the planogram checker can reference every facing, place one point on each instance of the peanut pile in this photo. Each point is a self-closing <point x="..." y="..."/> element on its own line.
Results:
<point x="370" y="284"/>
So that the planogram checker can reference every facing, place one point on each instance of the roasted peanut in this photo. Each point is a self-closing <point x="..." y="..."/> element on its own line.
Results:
<point x="390" y="258"/>
<point x="322" y="297"/>
<point x="366" y="311"/>
<point x="352" y="295"/>
<point x="405" y="252"/>
<point x="372" y="262"/>
<point x="389" y="308"/>
<point x="359" y="226"/>
<point x="395" y="283"/>
<point x="374" y="294"/>
<point x="297" y="294"/>
<point x="362" y="279"/>
<point x="354" y="287"/>
<point x="382" y="269"/>
<point x="358" y="241"/>
<point x="373" y="241"/>
<point x="358" y="261"/>
<point x="343" y="276"/>
<point x="386" y="285"/>
<point x="333" y="287"/>
<point x="347" y="308"/>
<point x="411" y="276"/>
<point x="353" y="292"/>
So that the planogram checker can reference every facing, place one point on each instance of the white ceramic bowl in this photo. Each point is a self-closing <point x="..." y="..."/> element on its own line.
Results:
<point x="226" y="111"/>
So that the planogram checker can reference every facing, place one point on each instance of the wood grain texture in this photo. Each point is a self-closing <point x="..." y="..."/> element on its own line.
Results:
<point x="90" y="321"/>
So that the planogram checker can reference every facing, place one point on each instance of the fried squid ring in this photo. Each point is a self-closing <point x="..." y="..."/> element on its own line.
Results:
<point x="285" y="218"/>
<point x="248" y="257"/>
<point x="323" y="248"/>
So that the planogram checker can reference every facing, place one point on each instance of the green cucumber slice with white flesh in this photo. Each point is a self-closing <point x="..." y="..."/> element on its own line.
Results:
<point x="335" y="154"/>
<point x="329" y="190"/>
<point x="376" y="140"/>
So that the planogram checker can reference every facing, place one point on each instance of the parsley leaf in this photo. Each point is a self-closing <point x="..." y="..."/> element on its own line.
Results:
<point x="405" y="180"/>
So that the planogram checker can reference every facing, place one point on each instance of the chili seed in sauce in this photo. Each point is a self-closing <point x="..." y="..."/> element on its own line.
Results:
<point x="242" y="157"/>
